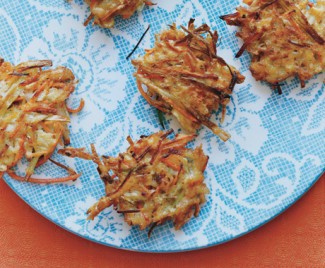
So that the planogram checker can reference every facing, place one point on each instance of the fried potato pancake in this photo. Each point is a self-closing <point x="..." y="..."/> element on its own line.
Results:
<point x="285" y="38"/>
<point x="104" y="11"/>
<point x="33" y="115"/>
<point x="185" y="77"/>
<point x="155" y="180"/>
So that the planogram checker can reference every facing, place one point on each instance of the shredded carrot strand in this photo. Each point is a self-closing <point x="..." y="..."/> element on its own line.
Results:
<point x="77" y="110"/>
<point x="13" y="175"/>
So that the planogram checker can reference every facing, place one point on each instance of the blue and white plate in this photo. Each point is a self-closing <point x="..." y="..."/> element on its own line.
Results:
<point x="275" y="154"/>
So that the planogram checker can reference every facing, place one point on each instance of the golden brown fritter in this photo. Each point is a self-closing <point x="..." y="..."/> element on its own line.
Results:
<point x="33" y="115"/>
<point x="281" y="41"/>
<point x="155" y="180"/>
<point x="185" y="77"/>
<point x="104" y="11"/>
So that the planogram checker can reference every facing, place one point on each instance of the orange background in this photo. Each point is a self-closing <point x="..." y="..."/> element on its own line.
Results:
<point x="294" y="239"/>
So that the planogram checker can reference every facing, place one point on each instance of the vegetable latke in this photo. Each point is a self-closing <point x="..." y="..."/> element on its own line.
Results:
<point x="185" y="77"/>
<point x="281" y="40"/>
<point x="104" y="11"/>
<point x="33" y="115"/>
<point x="155" y="180"/>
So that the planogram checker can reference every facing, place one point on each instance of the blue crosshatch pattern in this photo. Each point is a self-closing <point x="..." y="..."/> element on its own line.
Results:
<point x="274" y="156"/>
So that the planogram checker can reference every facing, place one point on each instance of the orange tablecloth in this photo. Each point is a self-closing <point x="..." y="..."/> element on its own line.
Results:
<point x="294" y="239"/>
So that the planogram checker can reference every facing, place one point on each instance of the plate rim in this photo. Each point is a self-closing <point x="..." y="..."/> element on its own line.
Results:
<point x="142" y="248"/>
<point x="193" y="248"/>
